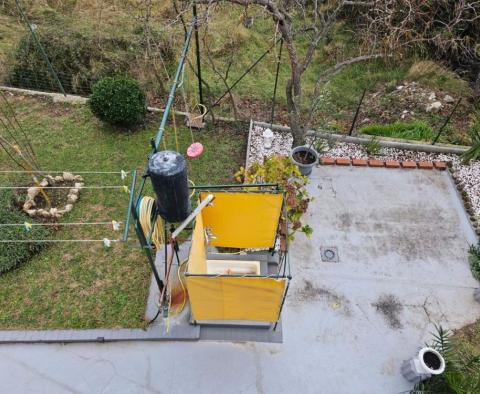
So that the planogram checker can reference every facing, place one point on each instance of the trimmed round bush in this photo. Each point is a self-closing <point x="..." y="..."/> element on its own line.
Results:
<point x="14" y="254"/>
<point x="118" y="101"/>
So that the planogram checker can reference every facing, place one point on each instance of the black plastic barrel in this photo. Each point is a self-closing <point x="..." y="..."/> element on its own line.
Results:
<point x="168" y="172"/>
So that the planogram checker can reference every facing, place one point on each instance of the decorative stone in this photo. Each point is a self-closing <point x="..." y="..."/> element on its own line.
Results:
<point x="28" y="205"/>
<point x="449" y="99"/>
<point x="72" y="198"/>
<point x="68" y="177"/>
<point x="434" y="107"/>
<point x="54" y="212"/>
<point x="32" y="192"/>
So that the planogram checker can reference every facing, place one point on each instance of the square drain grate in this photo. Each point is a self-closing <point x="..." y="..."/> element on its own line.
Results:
<point x="329" y="254"/>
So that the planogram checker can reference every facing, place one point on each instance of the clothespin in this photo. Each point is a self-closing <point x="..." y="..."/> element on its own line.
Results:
<point x="125" y="189"/>
<point x="124" y="174"/>
<point x="28" y="226"/>
<point x="107" y="243"/>
<point x="115" y="225"/>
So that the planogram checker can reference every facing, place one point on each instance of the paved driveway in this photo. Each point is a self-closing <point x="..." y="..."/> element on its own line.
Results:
<point x="402" y="240"/>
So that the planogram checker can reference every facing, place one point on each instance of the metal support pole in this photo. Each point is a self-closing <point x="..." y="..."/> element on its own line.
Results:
<point x="357" y="112"/>
<point x="130" y="204"/>
<point x="276" y="83"/>
<point x="446" y="121"/>
<point x="171" y="96"/>
<point x="146" y="248"/>
<point x="197" y="51"/>
<point x="168" y="106"/>
<point x="281" y="305"/>
<point x="40" y="46"/>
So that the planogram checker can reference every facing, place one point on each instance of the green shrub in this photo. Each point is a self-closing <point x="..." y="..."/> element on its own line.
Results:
<point x="410" y="131"/>
<point x="474" y="152"/>
<point x="14" y="254"/>
<point x="118" y="101"/>
<point x="474" y="258"/>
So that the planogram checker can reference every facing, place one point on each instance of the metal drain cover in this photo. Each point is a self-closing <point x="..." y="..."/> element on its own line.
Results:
<point x="329" y="254"/>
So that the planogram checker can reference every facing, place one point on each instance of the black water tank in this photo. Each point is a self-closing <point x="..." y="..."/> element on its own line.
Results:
<point x="168" y="172"/>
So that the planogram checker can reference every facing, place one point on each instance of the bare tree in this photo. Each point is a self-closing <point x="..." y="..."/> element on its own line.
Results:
<point x="319" y="17"/>
<point x="225" y="74"/>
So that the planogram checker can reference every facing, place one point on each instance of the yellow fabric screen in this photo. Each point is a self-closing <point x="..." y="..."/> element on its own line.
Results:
<point x="243" y="220"/>
<point x="197" y="261"/>
<point x="232" y="298"/>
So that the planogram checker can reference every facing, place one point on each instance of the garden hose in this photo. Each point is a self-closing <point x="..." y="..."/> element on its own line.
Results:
<point x="145" y="213"/>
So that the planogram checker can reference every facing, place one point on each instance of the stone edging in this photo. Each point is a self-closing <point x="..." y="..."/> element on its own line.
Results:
<point x="410" y="165"/>
<point x="345" y="161"/>
<point x="383" y="141"/>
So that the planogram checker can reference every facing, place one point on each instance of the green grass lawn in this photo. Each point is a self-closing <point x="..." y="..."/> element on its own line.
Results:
<point x="85" y="285"/>
<point x="419" y="131"/>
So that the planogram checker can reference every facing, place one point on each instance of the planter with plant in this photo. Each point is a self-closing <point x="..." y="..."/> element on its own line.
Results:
<point x="282" y="170"/>
<point x="462" y="366"/>
<point x="305" y="157"/>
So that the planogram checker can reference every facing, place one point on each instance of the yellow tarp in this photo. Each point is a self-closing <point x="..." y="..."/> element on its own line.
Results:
<point x="243" y="220"/>
<point x="240" y="220"/>
<point x="230" y="298"/>
<point x="197" y="261"/>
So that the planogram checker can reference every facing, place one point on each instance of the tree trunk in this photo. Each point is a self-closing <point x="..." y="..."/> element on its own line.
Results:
<point x="294" y="114"/>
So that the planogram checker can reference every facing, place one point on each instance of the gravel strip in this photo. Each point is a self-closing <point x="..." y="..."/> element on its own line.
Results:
<point x="468" y="176"/>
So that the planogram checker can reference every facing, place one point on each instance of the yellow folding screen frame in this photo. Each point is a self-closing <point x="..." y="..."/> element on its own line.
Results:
<point x="243" y="220"/>
<point x="235" y="297"/>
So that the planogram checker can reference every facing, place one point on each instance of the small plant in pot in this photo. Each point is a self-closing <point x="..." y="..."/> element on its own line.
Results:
<point x="305" y="157"/>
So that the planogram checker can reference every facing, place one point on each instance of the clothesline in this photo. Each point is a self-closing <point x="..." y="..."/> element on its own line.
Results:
<point x="64" y="187"/>
<point x="57" y="240"/>
<point x="61" y="172"/>
<point x="60" y="224"/>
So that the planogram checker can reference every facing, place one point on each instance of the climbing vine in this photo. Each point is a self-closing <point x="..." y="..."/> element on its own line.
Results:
<point x="281" y="170"/>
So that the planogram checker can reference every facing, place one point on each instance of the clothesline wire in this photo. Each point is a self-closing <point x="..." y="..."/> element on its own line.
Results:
<point x="59" y="224"/>
<point x="64" y="187"/>
<point x="60" y="172"/>
<point x="56" y="240"/>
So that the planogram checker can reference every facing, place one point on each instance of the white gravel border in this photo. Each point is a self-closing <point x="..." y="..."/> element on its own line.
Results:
<point x="466" y="176"/>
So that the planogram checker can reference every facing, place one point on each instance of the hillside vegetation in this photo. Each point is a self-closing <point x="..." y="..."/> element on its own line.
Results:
<point x="89" y="40"/>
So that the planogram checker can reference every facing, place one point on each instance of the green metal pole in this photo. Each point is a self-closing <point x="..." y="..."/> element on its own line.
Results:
<point x="40" y="46"/>
<point x="130" y="203"/>
<point x="171" y="96"/>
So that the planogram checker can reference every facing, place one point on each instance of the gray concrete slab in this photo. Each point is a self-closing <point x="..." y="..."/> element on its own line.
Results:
<point x="402" y="240"/>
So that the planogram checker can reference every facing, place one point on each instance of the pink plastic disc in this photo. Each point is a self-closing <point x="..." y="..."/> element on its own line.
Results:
<point x="195" y="150"/>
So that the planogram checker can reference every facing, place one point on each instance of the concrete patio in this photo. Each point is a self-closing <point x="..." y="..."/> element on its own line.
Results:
<point x="402" y="238"/>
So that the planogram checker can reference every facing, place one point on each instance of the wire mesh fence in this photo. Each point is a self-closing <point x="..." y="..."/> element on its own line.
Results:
<point x="42" y="81"/>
